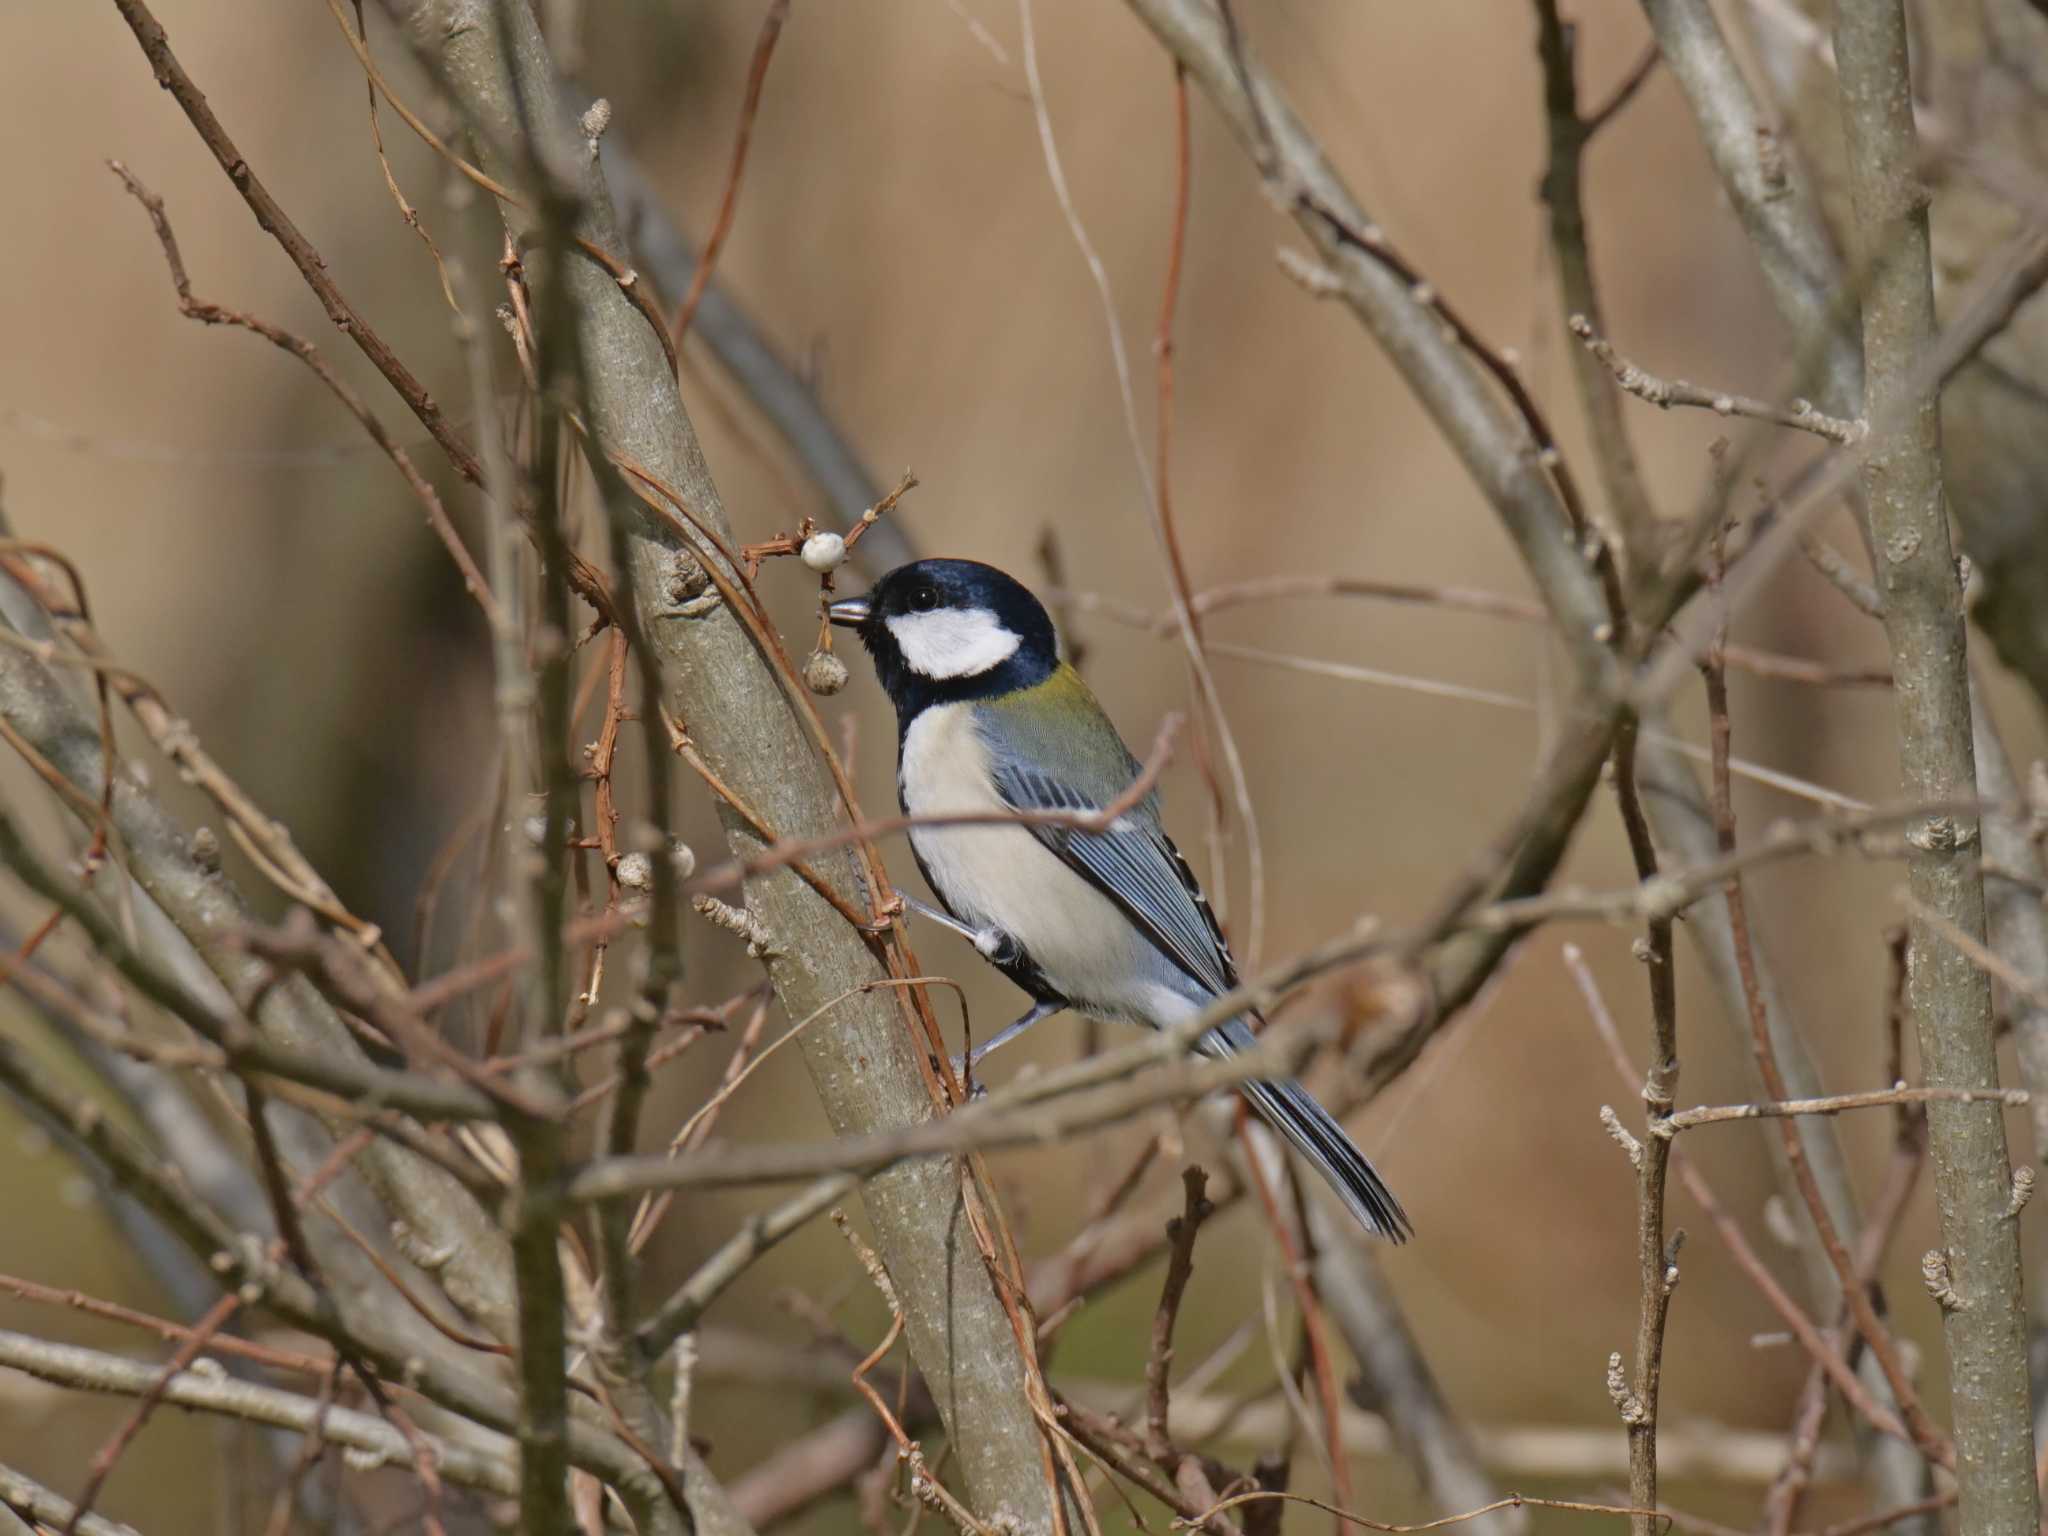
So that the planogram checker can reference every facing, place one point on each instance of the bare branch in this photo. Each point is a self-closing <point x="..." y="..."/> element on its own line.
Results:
<point x="205" y="1390"/>
<point x="1620" y="475"/>
<point x="1666" y="393"/>
<point x="1948" y="996"/>
<point x="1842" y="1103"/>
<point x="1180" y="1265"/>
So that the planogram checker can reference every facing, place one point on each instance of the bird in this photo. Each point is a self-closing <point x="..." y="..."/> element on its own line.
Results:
<point x="1111" y="924"/>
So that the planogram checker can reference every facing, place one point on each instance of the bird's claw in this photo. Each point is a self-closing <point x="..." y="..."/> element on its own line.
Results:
<point x="884" y="916"/>
<point x="975" y="1089"/>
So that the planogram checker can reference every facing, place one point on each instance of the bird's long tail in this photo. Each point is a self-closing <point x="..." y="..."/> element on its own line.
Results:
<point x="1307" y="1127"/>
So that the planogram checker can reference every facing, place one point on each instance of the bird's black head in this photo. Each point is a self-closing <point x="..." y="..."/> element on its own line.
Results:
<point x="947" y="630"/>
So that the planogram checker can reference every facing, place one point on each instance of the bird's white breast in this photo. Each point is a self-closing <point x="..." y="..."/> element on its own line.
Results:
<point x="1003" y="877"/>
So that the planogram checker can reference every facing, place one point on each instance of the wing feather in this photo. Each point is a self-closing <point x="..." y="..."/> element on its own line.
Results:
<point x="1136" y="865"/>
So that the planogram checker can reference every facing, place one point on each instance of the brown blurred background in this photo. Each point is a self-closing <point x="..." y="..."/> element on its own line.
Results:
<point x="899" y="235"/>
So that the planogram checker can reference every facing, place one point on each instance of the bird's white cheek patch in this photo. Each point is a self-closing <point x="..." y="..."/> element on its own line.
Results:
<point x="953" y="642"/>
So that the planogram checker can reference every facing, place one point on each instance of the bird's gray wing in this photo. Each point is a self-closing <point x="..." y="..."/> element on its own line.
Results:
<point x="1134" y="863"/>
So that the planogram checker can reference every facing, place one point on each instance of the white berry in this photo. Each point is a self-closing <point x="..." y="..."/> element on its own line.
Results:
<point x="824" y="551"/>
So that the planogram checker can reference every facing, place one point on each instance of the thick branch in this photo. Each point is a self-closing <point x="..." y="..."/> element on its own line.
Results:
<point x="1948" y="996"/>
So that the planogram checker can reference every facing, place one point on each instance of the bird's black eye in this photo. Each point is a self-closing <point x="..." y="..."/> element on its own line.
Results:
<point x="923" y="599"/>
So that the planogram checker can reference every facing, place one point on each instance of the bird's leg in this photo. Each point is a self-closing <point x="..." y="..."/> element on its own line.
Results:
<point x="925" y="909"/>
<point x="963" y="1064"/>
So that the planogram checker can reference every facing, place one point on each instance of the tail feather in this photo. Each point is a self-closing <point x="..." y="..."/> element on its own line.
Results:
<point x="1307" y="1127"/>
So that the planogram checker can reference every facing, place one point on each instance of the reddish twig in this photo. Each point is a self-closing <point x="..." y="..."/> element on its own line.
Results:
<point x="1301" y="1276"/>
<point x="162" y="1327"/>
<point x="315" y="1446"/>
<point x="110" y="1453"/>
<point x="620" y="272"/>
<point x="1181" y="1232"/>
<point x="750" y="104"/>
<point x="654" y="1207"/>
<point x="1909" y="1155"/>
<point x="927" y="1489"/>
<point x="170" y="74"/>
<point x="209" y="313"/>
<point x="1123" y="1452"/>
<point x="406" y="211"/>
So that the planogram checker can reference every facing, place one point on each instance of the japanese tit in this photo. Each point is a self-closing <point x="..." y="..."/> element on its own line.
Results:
<point x="1110" y="924"/>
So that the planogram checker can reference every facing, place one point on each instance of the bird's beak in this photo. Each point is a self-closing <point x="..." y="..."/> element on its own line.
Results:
<point x="850" y="611"/>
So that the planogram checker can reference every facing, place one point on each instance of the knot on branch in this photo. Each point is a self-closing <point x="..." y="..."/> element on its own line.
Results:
<point x="1661" y="896"/>
<point x="418" y="1251"/>
<point x="1942" y="834"/>
<point x="1770" y="164"/>
<point x="366" y="1458"/>
<point x="1626" y="1403"/>
<point x="688" y="585"/>
<point x="2022" y="1190"/>
<point x="1314" y="278"/>
<point x="596" y="118"/>
<point x="1934" y="1274"/>
<point x="736" y="920"/>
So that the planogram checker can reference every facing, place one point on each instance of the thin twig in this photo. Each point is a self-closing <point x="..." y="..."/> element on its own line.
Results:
<point x="1823" y="1351"/>
<point x="1614" y="457"/>
<point x="1666" y="393"/>
<point x="1624" y="93"/>
<point x="156" y="47"/>
<point x="728" y="203"/>
<point x="1512" y="1501"/>
<point x="1656" y="1258"/>
<point x="1925" y="1433"/>
<point x="209" y="313"/>
<point x="1180" y="1264"/>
